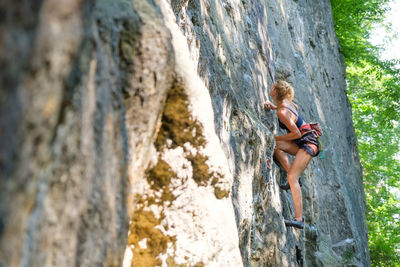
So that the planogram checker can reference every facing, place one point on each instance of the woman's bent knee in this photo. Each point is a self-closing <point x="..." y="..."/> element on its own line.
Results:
<point x="280" y="145"/>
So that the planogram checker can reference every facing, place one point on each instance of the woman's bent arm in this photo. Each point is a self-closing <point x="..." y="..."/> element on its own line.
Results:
<point x="294" y="133"/>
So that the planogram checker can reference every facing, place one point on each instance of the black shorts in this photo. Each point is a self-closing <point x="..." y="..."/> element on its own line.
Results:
<point x="304" y="141"/>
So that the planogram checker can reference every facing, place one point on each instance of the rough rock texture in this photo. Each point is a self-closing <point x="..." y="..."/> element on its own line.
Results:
<point x="77" y="106"/>
<point x="239" y="47"/>
<point x="139" y="126"/>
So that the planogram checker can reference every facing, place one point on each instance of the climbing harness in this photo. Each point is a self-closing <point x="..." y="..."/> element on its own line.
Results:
<point x="316" y="129"/>
<point x="313" y="127"/>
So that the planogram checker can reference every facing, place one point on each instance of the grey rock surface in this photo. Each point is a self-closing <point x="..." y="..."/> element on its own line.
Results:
<point x="133" y="132"/>
<point x="77" y="106"/>
<point x="240" y="47"/>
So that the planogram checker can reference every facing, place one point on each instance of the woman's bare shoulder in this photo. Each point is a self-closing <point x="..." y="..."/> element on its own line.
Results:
<point x="283" y="112"/>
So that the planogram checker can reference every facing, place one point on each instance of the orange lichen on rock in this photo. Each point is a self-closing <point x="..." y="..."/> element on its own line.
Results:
<point x="143" y="228"/>
<point x="201" y="174"/>
<point x="178" y="124"/>
<point x="159" y="177"/>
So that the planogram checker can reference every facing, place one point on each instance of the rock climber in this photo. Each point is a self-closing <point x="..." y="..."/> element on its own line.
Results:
<point x="299" y="142"/>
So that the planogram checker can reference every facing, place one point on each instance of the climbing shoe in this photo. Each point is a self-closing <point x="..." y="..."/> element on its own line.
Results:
<point x="295" y="223"/>
<point x="286" y="185"/>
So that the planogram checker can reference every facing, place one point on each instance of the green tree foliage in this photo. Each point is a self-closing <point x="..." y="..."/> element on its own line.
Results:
<point x="374" y="91"/>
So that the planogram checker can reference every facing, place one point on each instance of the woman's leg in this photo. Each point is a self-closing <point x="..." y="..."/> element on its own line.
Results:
<point x="283" y="147"/>
<point x="300" y="162"/>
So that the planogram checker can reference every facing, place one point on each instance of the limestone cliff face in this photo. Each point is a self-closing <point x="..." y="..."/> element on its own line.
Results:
<point x="133" y="132"/>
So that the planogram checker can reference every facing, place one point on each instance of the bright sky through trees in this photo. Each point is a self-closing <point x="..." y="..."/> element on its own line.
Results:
<point x="373" y="83"/>
<point x="390" y="40"/>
